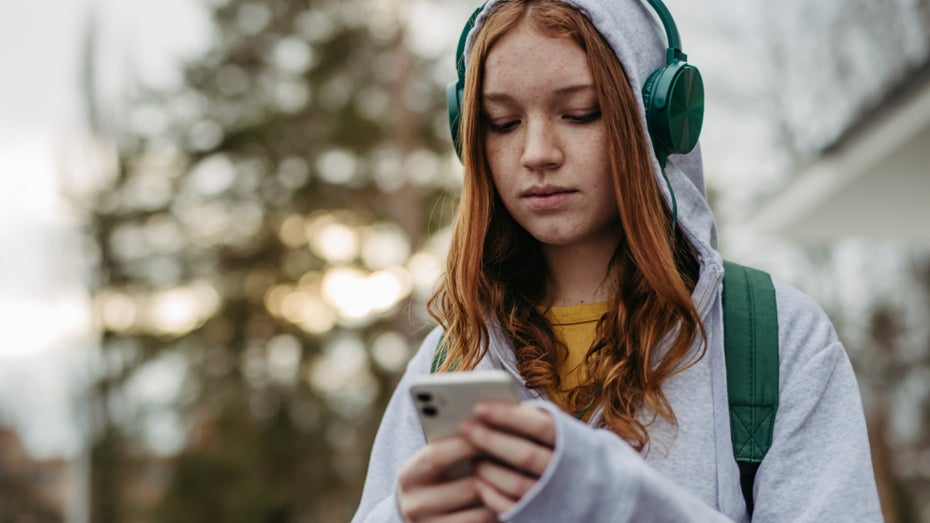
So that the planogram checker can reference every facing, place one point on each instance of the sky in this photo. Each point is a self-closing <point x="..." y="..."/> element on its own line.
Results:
<point x="46" y="335"/>
<point x="42" y="309"/>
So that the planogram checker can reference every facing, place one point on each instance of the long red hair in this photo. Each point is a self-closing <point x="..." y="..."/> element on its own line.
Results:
<point x="496" y="270"/>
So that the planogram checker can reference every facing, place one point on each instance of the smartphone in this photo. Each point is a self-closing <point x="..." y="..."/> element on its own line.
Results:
<point x="445" y="400"/>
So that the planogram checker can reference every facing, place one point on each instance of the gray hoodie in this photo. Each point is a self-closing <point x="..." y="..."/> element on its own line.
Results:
<point x="818" y="468"/>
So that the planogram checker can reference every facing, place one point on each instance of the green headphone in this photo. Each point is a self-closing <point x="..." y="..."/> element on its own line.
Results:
<point x="673" y="95"/>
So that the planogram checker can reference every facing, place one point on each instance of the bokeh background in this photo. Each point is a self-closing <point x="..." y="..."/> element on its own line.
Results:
<point x="220" y="220"/>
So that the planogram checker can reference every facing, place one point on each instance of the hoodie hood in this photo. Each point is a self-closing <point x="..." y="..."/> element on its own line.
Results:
<point x="633" y="31"/>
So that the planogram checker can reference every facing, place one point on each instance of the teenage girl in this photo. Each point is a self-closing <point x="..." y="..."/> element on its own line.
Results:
<point x="583" y="262"/>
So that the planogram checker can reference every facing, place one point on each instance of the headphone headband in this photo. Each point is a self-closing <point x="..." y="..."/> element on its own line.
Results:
<point x="671" y="30"/>
<point x="463" y="39"/>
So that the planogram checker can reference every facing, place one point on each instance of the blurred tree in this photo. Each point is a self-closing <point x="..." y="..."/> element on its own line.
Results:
<point x="262" y="229"/>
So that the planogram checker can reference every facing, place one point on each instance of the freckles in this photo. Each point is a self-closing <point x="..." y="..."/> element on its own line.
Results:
<point x="499" y="153"/>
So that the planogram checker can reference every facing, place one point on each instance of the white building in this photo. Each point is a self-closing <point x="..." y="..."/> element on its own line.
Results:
<point x="873" y="182"/>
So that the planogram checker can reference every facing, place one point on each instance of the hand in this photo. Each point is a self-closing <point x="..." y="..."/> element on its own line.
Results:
<point x="519" y="440"/>
<point x="425" y="495"/>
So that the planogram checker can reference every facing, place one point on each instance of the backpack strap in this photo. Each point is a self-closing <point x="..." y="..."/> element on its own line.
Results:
<point x="751" y="347"/>
<point x="439" y="355"/>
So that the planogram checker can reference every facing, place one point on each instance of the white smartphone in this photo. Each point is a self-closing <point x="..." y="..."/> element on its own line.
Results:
<point x="445" y="400"/>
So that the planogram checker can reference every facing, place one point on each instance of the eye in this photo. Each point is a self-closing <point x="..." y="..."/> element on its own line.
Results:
<point x="587" y="117"/>
<point x="503" y="127"/>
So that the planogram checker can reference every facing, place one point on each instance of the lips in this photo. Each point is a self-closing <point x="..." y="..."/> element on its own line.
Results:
<point x="547" y="197"/>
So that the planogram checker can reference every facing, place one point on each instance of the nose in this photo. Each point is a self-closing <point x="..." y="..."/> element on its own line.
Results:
<point x="541" y="149"/>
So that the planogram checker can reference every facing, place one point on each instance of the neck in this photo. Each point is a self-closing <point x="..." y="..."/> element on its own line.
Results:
<point x="578" y="274"/>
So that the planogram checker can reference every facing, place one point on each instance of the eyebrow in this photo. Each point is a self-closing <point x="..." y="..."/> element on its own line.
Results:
<point x="564" y="91"/>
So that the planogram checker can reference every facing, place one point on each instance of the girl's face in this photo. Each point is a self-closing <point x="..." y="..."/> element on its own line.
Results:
<point x="546" y="142"/>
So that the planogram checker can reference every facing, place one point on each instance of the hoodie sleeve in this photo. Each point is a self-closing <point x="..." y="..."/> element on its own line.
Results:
<point x="399" y="437"/>
<point x="819" y="467"/>
<point x="596" y="476"/>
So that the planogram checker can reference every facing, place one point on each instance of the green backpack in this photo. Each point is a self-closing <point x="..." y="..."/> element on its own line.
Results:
<point x="751" y="349"/>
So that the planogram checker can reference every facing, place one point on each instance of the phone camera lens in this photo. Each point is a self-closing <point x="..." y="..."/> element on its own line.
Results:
<point x="430" y="411"/>
<point x="424" y="396"/>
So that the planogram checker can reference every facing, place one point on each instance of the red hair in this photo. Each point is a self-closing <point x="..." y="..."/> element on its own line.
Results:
<point x="496" y="270"/>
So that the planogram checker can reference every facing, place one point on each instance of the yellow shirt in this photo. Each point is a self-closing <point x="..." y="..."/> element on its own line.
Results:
<point x="575" y="326"/>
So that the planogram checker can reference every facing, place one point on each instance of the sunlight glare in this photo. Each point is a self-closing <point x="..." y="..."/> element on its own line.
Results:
<point x="274" y="299"/>
<point x="384" y="245"/>
<point x="330" y="239"/>
<point x="308" y="311"/>
<point x="336" y="166"/>
<point x="343" y="357"/>
<point x="212" y="175"/>
<point x="314" y="25"/>
<point x="293" y="55"/>
<point x="283" y="353"/>
<point x="357" y="296"/>
<point x="344" y="290"/>
<point x="116" y="311"/>
<point x="342" y="374"/>
<point x="390" y="351"/>
<point x="425" y="270"/>
<point x="291" y="231"/>
<point x="180" y="310"/>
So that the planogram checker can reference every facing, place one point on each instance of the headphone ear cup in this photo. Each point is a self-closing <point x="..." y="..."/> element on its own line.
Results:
<point x="654" y="106"/>
<point x="648" y="89"/>
<point x="454" y="92"/>
<point x="674" y="100"/>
